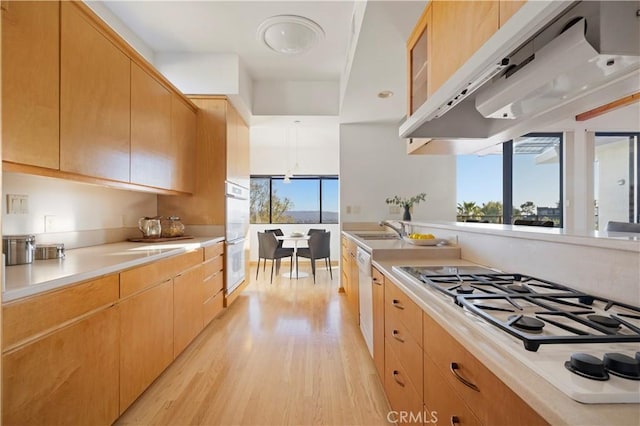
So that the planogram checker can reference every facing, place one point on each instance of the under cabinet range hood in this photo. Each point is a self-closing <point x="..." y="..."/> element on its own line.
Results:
<point x="586" y="57"/>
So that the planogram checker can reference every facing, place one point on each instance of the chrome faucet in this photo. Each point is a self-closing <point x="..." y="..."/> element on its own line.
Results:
<point x="398" y="230"/>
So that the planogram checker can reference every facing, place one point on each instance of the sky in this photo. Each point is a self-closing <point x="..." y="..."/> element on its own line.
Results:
<point x="305" y="194"/>
<point x="480" y="180"/>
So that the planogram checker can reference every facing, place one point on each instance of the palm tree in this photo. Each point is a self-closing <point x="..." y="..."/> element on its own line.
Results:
<point x="469" y="210"/>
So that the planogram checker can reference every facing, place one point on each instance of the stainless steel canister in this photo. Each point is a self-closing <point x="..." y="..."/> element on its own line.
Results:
<point x="49" y="251"/>
<point x="18" y="249"/>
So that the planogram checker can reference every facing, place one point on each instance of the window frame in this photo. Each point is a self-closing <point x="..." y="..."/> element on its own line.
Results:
<point x="319" y="178"/>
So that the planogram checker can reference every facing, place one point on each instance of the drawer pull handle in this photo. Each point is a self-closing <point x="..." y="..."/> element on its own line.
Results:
<point x="395" y="334"/>
<point x="455" y="420"/>
<point x="396" y="303"/>
<point x="396" y="373"/>
<point x="377" y="282"/>
<point x="454" y="367"/>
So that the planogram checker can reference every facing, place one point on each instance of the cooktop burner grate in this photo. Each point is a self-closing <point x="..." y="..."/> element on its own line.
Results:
<point x="534" y="310"/>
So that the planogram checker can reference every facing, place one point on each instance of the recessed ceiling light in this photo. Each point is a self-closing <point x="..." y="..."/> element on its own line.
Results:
<point x="385" y="94"/>
<point x="289" y="34"/>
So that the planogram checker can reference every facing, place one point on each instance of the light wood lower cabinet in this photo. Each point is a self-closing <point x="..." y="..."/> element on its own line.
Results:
<point x="474" y="386"/>
<point x="377" y="281"/>
<point x="404" y="398"/>
<point x="146" y="340"/>
<point x="187" y="308"/>
<point x="213" y="283"/>
<point x="67" y="377"/>
<point x="350" y="276"/>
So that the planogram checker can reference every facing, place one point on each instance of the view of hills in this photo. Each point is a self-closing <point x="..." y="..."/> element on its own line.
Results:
<point x="311" y="216"/>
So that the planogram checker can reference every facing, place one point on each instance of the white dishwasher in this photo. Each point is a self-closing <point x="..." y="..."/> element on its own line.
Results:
<point x="365" y="291"/>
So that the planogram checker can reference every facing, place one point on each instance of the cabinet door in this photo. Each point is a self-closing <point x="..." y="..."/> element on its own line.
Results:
<point x="443" y="405"/>
<point x="459" y="28"/>
<point x="402" y="396"/>
<point x="183" y="139"/>
<point x="354" y="291"/>
<point x="152" y="161"/>
<point x="243" y="152"/>
<point x="233" y="151"/>
<point x="378" y="321"/>
<point x="30" y="89"/>
<point x="187" y="308"/>
<point x="68" y="377"/>
<point x="418" y="65"/>
<point x="94" y="100"/>
<point x="146" y="340"/>
<point x="508" y="8"/>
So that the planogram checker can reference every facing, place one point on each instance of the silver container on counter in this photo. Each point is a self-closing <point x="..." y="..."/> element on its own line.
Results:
<point x="49" y="251"/>
<point x="18" y="249"/>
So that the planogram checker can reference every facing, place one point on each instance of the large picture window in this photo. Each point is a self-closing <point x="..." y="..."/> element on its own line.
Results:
<point x="300" y="199"/>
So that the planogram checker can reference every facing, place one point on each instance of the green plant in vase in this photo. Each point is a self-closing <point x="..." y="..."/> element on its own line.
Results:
<point x="406" y="203"/>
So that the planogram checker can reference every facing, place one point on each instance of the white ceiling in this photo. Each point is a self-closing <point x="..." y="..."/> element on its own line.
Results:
<point x="230" y="27"/>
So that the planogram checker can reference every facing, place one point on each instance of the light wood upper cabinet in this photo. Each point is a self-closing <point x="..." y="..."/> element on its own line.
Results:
<point x="30" y="90"/>
<point x="152" y="156"/>
<point x="418" y="63"/>
<point x="237" y="148"/>
<point x="67" y="377"/>
<point x="94" y="100"/>
<point x="508" y="8"/>
<point x="459" y="28"/>
<point x="183" y="140"/>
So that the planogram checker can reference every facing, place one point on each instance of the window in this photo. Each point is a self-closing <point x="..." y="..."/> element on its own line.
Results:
<point x="521" y="180"/>
<point x="615" y="178"/>
<point x="303" y="199"/>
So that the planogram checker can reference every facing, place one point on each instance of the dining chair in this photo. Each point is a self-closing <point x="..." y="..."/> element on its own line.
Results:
<point x="613" y="226"/>
<point x="319" y="248"/>
<point x="312" y="230"/>
<point x="278" y="233"/>
<point x="268" y="249"/>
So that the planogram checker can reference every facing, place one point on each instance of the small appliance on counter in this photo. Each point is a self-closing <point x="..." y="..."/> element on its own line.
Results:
<point x="150" y="227"/>
<point x="171" y="227"/>
<point x="49" y="251"/>
<point x="18" y="249"/>
<point x="160" y="229"/>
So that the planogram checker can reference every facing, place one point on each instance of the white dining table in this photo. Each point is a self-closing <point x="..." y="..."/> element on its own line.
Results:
<point x="295" y="240"/>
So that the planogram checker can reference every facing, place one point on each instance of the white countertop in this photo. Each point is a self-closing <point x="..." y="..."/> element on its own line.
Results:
<point x="90" y="262"/>
<point x="477" y="338"/>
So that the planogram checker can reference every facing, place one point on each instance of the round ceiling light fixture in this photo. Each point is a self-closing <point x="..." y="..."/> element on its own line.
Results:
<point x="289" y="34"/>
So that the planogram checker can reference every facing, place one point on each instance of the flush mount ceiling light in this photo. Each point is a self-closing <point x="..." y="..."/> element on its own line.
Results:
<point x="385" y="94"/>
<point x="289" y="34"/>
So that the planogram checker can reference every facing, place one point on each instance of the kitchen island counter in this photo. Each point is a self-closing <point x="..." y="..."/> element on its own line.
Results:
<point x="505" y="357"/>
<point x="90" y="262"/>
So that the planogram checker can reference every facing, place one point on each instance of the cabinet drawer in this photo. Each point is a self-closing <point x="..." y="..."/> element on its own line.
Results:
<point x="34" y="315"/>
<point x="213" y="251"/>
<point x="213" y="266"/>
<point x="213" y="284"/>
<point x="137" y="279"/>
<point x="405" y="309"/>
<point x="212" y="307"/>
<point x="401" y="394"/>
<point x="441" y="400"/>
<point x="490" y="400"/>
<point x="407" y="350"/>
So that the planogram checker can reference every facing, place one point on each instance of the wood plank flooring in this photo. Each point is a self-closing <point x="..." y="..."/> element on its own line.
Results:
<point x="287" y="353"/>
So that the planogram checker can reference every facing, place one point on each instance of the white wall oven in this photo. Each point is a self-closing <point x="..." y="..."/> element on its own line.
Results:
<point x="236" y="229"/>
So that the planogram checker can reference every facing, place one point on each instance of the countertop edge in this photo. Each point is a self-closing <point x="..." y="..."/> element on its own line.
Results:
<point x="187" y="245"/>
<point x="548" y="401"/>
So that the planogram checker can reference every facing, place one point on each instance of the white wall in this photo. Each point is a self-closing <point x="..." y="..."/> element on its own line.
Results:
<point x="613" y="197"/>
<point x="295" y="97"/>
<point x="374" y="165"/>
<point x="318" y="153"/>
<point x="73" y="208"/>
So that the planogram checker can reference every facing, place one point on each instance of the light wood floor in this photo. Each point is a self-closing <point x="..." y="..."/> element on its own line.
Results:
<point x="287" y="353"/>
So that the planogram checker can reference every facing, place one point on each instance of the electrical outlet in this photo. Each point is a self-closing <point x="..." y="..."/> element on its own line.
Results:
<point x="348" y="209"/>
<point x="356" y="209"/>
<point x="17" y="204"/>
<point x="50" y="223"/>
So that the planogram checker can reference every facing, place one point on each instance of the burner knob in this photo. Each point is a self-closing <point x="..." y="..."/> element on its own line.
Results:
<point x="622" y="365"/>
<point x="588" y="366"/>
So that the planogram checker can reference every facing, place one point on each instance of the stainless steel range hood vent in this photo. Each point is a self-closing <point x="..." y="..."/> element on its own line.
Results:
<point x="586" y="57"/>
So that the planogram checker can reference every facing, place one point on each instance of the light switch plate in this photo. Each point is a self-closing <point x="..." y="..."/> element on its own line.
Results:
<point x="17" y="204"/>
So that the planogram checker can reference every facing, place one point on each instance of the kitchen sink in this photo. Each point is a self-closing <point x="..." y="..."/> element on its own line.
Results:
<point x="380" y="236"/>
